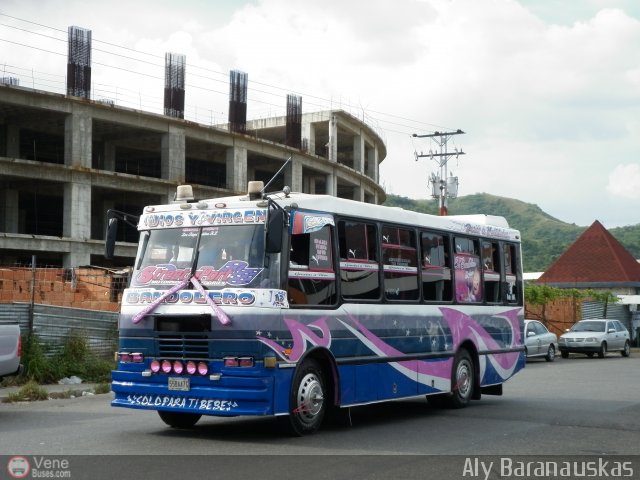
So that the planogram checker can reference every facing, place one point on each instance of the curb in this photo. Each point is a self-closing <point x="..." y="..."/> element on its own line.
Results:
<point x="55" y="390"/>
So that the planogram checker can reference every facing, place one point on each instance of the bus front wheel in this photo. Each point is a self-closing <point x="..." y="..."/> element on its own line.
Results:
<point x="307" y="399"/>
<point x="179" y="419"/>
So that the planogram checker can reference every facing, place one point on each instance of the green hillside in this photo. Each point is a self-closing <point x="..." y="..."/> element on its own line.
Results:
<point x="544" y="238"/>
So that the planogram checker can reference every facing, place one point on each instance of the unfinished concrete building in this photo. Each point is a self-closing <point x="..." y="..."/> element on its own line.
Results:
<point x="65" y="160"/>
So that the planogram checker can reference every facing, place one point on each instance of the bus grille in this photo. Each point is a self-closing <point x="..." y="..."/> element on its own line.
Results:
<point x="184" y="346"/>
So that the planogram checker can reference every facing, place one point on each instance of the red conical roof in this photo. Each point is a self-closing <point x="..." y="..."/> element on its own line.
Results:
<point x="596" y="256"/>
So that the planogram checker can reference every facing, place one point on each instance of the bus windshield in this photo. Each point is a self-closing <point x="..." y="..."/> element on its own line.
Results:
<point x="220" y="257"/>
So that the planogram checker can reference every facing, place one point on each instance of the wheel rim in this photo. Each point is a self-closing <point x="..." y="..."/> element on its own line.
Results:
<point x="463" y="379"/>
<point x="552" y="352"/>
<point x="627" y="348"/>
<point x="310" y="398"/>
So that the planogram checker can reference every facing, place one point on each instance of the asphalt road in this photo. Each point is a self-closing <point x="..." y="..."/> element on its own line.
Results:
<point x="575" y="406"/>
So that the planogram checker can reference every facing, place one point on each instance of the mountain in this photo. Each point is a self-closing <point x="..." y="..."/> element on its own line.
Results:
<point x="544" y="238"/>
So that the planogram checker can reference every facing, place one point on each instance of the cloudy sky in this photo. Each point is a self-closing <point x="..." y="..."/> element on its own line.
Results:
<point x="547" y="91"/>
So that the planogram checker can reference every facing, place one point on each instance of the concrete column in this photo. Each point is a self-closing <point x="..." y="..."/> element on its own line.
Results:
<point x="358" y="194"/>
<point x="376" y="167"/>
<point x="237" y="169"/>
<point x="332" y="185"/>
<point x="77" y="218"/>
<point x="333" y="139"/>
<point x="309" y="133"/>
<point x="358" y="153"/>
<point x="109" y="157"/>
<point x="13" y="141"/>
<point x="371" y="155"/>
<point x="77" y="138"/>
<point x="172" y="156"/>
<point x="11" y="211"/>
<point x="293" y="175"/>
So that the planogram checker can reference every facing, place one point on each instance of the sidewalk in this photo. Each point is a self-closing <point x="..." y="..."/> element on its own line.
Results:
<point x="76" y="390"/>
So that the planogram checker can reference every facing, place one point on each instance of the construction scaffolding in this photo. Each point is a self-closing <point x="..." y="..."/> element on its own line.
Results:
<point x="174" y="76"/>
<point x="79" y="63"/>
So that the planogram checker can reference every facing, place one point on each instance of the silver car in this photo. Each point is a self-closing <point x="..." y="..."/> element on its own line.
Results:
<point x="596" y="336"/>
<point x="539" y="342"/>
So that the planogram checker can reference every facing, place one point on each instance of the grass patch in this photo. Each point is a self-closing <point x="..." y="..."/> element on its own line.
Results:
<point x="28" y="392"/>
<point x="102" y="388"/>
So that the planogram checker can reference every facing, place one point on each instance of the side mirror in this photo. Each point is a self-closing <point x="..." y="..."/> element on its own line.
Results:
<point x="611" y="330"/>
<point x="275" y="225"/>
<point x="531" y="334"/>
<point x="110" y="238"/>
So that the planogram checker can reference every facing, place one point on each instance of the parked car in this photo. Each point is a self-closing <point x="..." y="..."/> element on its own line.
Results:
<point x="595" y="336"/>
<point x="539" y="342"/>
<point x="10" y="349"/>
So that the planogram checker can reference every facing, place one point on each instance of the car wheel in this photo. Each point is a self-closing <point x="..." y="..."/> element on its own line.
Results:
<point x="179" y="419"/>
<point x="603" y="350"/>
<point x="307" y="400"/>
<point x="564" y="354"/>
<point x="551" y="354"/>
<point x="626" y="351"/>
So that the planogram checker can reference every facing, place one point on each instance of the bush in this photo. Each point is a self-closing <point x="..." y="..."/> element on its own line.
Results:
<point x="75" y="358"/>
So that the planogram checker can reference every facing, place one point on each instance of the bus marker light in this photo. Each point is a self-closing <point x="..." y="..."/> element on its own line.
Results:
<point x="155" y="366"/>
<point x="146" y="373"/>
<point x="191" y="367"/>
<point x="125" y="357"/>
<point x="166" y="366"/>
<point x="214" y="377"/>
<point x="178" y="367"/>
<point x="270" y="362"/>
<point x="203" y="369"/>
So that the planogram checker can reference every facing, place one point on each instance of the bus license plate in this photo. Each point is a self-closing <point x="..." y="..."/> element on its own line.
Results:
<point x="179" y="383"/>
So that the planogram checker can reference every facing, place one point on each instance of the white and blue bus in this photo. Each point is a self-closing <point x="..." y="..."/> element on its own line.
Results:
<point x="299" y="305"/>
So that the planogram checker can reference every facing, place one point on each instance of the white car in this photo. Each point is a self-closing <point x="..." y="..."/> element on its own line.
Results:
<point x="596" y="336"/>
<point x="539" y="342"/>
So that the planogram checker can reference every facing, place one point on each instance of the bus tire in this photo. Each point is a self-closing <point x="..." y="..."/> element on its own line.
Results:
<point x="462" y="379"/>
<point x="179" y="419"/>
<point x="307" y="400"/>
<point x="462" y="384"/>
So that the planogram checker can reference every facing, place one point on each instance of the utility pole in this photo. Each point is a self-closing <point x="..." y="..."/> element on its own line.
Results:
<point x="443" y="187"/>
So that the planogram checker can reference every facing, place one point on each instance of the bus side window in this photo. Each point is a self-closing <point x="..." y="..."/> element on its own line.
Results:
<point x="359" y="268"/>
<point x="436" y="267"/>
<point x="467" y="266"/>
<point x="512" y="274"/>
<point x="400" y="264"/>
<point x="311" y="278"/>
<point x="491" y="270"/>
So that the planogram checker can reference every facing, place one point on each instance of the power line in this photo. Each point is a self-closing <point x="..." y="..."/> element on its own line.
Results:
<point x="324" y="101"/>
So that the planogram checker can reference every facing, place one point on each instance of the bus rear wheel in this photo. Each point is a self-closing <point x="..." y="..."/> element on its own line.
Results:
<point x="179" y="419"/>
<point x="307" y="399"/>
<point x="462" y="384"/>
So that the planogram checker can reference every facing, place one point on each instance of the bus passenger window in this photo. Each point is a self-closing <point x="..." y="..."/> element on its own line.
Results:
<point x="491" y="270"/>
<point x="311" y="278"/>
<point x="359" y="269"/>
<point x="512" y="274"/>
<point x="400" y="264"/>
<point x="467" y="270"/>
<point x="436" y="267"/>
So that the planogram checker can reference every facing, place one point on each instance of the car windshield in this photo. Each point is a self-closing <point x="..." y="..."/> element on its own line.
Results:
<point x="586" y="326"/>
<point x="224" y="256"/>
